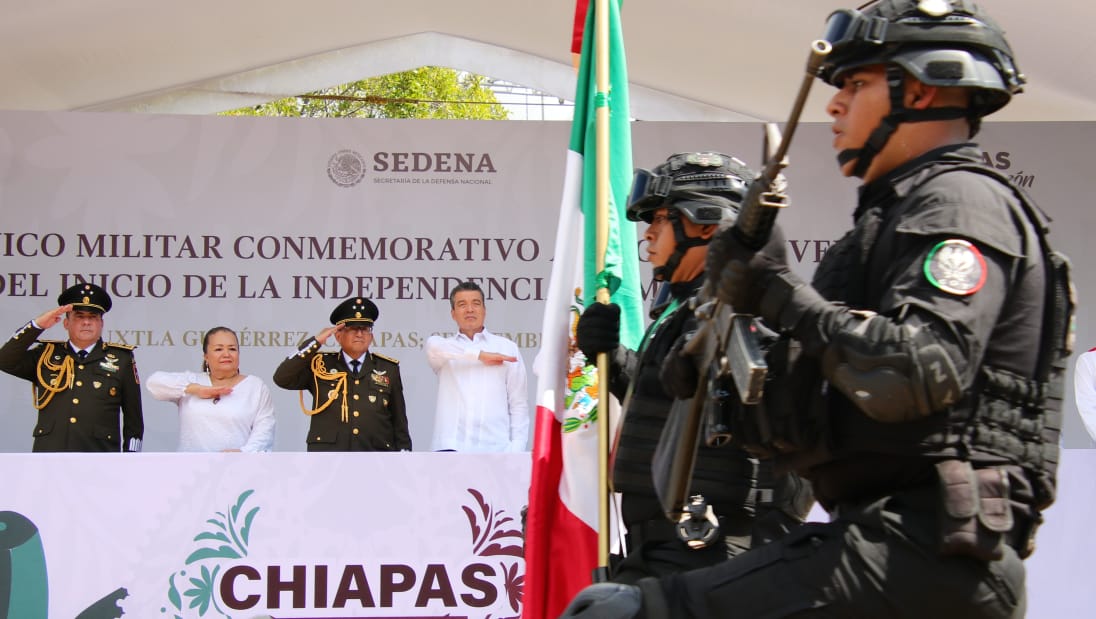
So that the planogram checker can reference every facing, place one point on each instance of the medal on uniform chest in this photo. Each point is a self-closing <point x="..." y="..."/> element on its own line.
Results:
<point x="109" y="364"/>
<point x="380" y="378"/>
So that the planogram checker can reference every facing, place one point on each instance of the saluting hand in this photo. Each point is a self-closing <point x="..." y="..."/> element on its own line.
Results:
<point x="208" y="392"/>
<point x="494" y="358"/>
<point x="53" y="316"/>
<point x="322" y="336"/>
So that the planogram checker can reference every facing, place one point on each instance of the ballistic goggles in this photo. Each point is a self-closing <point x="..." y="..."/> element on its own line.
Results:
<point x="860" y="38"/>
<point x="934" y="24"/>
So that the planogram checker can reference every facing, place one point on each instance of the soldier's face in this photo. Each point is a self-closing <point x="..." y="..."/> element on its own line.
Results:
<point x="469" y="311"/>
<point x="354" y="338"/>
<point x="857" y="109"/>
<point x="660" y="238"/>
<point x="84" y="328"/>
<point x="661" y="244"/>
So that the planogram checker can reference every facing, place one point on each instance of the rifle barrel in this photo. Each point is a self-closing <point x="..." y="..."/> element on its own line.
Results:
<point x="819" y="50"/>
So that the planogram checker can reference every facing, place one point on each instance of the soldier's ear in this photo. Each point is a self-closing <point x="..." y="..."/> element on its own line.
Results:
<point x="919" y="95"/>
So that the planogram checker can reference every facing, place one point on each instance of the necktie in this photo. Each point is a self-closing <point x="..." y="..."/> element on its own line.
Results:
<point x="354" y="366"/>
<point x="83" y="354"/>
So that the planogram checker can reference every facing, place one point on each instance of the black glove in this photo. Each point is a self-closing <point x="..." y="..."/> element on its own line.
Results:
<point x="605" y="600"/>
<point x="679" y="374"/>
<point x="598" y="330"/>
<point x="740" y="275"/>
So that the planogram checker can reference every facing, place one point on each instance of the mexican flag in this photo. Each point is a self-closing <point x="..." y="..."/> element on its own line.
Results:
<point x="561" y="544"/>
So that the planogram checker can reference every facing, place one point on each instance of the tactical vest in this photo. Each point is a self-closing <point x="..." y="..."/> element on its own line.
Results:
<point x="1003" y="416"/>
<point x="1020" y="418"/>
<point x="726" y="477"/>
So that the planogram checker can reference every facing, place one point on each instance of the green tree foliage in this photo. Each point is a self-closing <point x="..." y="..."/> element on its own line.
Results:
<point x="426" y="92"/>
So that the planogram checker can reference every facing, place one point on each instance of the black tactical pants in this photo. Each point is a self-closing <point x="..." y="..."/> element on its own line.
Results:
<point x="877" y="559"/>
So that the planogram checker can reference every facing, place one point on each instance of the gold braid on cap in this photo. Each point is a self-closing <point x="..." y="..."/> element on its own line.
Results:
<point x="65" y="375"/>
<point x="319" y="372"/>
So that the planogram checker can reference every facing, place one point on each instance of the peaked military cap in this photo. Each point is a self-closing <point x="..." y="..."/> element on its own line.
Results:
<point x="355" y="310"/>
<point x="86" y="297"/>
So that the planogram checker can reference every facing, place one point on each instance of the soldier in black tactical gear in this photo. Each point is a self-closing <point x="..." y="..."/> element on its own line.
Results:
<point x="683" y="201"/>
<point x="932" y="345"/>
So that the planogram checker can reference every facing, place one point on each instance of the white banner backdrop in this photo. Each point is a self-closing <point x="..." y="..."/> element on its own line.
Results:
<point x="293" y="535"/>
<point x="265" y="224"/>
<point x="303" y="536"/>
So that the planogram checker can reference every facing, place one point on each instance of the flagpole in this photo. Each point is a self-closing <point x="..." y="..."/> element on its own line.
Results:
<point x="601" y="47"/>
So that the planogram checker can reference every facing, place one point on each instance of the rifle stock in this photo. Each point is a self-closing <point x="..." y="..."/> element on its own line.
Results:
<point x="725" y="344"/>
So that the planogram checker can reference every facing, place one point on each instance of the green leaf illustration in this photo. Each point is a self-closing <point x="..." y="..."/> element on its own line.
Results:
<point x="245" y="531"/>
<point x="224" y="552"/>
<point x="240" y="503"/>
<point x="229" y="538"/>
<point x="173" y="594"/>
<point x="202" y="593"/>
<point x="220" y="537"/>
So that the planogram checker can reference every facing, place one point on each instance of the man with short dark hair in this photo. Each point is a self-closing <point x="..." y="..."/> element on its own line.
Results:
<point x="357" y="395"/>
<point x="81" y="384"/>
<point x="482" y="384"/>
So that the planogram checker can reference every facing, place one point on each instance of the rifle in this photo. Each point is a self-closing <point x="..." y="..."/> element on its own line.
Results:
<point x="725" y="343"/>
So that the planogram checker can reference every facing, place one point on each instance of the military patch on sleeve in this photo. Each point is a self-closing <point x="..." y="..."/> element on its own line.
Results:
<point x="956" y="267"/>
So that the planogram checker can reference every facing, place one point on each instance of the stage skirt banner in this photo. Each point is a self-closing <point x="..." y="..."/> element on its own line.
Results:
<point x="247" y="535"/>
<point x="301" y="536"/>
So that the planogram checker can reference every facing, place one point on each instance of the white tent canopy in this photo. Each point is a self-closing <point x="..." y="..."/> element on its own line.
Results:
<point x="693" y="60"/>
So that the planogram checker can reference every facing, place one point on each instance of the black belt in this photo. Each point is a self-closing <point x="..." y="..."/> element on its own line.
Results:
<point x="662" y="530"/>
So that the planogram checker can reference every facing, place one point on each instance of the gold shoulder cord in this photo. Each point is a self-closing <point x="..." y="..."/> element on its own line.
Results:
<point x="61" y="382"/>
<point x="319" y="371"/>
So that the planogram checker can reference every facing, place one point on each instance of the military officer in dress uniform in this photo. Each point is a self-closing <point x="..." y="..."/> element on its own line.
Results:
<point x="80" y="384"/>
<point x="357" y="396"/>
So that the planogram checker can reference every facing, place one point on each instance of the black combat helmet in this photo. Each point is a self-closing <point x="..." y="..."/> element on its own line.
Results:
<point x="939" y="42"/>
<point x="946" y="43"/>
<point x="705" y="188"/>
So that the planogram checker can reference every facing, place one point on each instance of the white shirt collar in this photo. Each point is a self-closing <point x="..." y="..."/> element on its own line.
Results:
<point x="348" y="359"/>
<point x="77" y="350"/>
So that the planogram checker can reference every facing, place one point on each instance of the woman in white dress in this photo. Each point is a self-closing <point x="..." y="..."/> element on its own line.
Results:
<point x="220" y="409"/>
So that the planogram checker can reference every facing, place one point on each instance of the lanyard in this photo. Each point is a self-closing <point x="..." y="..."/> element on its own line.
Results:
<point x="657" y="323"/>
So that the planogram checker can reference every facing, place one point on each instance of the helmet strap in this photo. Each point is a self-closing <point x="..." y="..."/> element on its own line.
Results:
<point x="898" y="115"/>
<point x="682" y="244"/>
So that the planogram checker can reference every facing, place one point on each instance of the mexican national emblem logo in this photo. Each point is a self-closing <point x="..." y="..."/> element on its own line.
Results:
<point x="346" y="168"/>
<point x="956" y="266"/>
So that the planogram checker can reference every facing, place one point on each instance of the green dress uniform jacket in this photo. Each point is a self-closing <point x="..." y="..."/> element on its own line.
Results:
<point x="78" y="399"/>
<point x="375" y="415"/>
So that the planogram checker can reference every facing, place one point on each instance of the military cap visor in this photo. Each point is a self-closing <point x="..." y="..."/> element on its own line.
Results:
<point x="355" y="310"/>
<point x="86" y="297"/>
